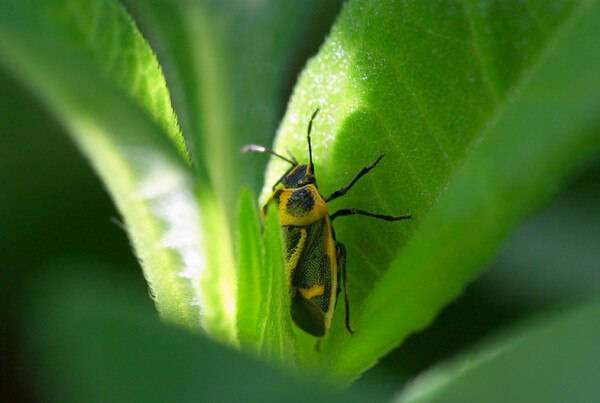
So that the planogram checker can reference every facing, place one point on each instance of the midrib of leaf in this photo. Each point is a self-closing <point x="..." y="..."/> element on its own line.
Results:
<point x="476" y="40"/>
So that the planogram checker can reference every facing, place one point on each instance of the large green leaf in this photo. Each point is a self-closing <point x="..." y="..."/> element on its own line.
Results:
<point x="103" y="32"/>
<point x="482" y="109"/>
<point x="105" y="86"/>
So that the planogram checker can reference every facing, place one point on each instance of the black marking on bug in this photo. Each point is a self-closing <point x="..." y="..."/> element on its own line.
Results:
<point x="300" y="203"/>
<point x="294" y="178"/>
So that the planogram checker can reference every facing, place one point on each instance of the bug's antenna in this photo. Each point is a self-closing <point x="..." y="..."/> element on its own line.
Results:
<point x="261" y="149"/>
<point x="308" y="136"/>
<point x="287" y="150"/>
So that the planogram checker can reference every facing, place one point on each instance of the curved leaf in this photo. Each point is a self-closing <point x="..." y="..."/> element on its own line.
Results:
<point x="147" y="176"/>
<point x="482" y="110"/>
<point x="104" y="32"/>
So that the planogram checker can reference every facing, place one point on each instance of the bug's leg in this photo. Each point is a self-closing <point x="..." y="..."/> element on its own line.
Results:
<point x="353" y="211"/>
<point x="341" y="250"/>
<point x="360" y="174"/>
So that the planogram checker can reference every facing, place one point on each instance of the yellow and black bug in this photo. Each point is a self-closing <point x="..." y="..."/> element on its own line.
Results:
<point x="315" y="259"/>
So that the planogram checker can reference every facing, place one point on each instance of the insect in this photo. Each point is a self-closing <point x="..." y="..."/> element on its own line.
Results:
<point x="315" y="258"/>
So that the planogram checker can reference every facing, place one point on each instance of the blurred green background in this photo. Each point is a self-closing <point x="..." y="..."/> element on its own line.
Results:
<point x="62" y="252"/>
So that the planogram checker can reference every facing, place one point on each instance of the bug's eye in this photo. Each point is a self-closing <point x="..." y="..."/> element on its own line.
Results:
<point x="307" y="179"/>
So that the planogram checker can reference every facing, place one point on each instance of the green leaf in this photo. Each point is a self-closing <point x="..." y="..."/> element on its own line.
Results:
<point x="482" y="110"/>
<point x="264" y="323"/>
<point x="229" y="65"/>
<point x="104" y="32"/>
<point x="144" y="171"/>
<point x="279" y="339"/>
<point x="251" y="275"/>
<point x="555" y="359"/>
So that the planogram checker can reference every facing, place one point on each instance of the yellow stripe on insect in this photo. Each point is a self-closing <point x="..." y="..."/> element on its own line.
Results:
<point x="293" y="259"/>
<point x="314" y="291"/>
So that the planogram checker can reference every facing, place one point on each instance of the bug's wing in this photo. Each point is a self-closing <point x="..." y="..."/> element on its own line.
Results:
<point x="312" y="260"/>
<point x="312" y="272"/>
<point x="307" y="315"/>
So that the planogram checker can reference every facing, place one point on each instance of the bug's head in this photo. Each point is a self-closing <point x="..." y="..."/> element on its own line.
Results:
<point x="300" y="175"/>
